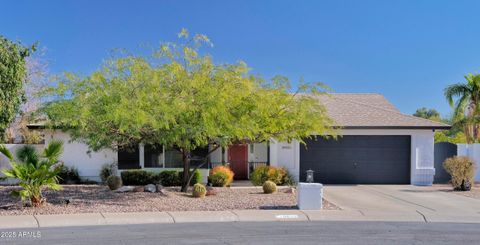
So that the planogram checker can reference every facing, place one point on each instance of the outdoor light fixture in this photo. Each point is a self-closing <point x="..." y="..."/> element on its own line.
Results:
<point x="310" y="176"/>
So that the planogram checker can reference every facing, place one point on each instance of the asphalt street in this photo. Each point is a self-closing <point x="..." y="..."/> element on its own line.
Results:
<point x="327" y="232"/>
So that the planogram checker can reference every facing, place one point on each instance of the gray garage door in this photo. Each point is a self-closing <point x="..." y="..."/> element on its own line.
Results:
<point x="357" y="159"/>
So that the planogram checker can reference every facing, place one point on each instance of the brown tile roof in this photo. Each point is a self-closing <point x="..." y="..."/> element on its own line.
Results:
<point x="371" y="111"/>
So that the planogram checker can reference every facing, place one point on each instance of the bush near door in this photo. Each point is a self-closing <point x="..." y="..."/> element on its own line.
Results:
<point x="279" y="176"/>
<point x="221" y="176"/>
<point x="462" y="170"/>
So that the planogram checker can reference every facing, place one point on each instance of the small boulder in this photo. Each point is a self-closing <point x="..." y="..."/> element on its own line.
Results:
<point x="211" y="191"/>
<point x="290" y="190"/>
<point x="150" y="188"/>
<point x="162" y="190"/>
<point x="138" y="189"/>
<point x="125" y="189"/>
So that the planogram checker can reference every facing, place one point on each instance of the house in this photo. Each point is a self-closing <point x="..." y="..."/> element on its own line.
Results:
<point x="379" y="145"/>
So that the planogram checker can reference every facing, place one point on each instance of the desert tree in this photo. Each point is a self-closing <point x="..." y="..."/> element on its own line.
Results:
<point x="179" y="98"/>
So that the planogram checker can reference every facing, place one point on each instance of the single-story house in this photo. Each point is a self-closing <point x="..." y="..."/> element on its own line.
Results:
<point x="378" y="145"/>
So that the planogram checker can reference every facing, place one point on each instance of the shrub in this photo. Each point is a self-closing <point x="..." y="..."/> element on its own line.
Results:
<point x="68" y="175"/>
<point x="288" y="179"/>
<point x="107" y="170"/>
<point x="139" y="177"/>
<point x="279" y="176"/>
<point x="114" y="182"/>
<point x="197" y="177"/>
<point x="462" y="170"/>
<point x="269" y="187"/>
<point x="199" y="190"/>
<point x="170" y="178"/>
<point x="221" y="176"/>
<point x="35" y="171"/>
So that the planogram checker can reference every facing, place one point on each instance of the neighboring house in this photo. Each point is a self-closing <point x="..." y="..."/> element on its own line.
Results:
<point x="379" y="145"/>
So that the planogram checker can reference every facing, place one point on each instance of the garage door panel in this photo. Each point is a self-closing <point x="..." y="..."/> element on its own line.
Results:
<point x="358" y="160"/>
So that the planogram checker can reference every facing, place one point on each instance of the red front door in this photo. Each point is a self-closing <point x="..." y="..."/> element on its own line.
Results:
<point x="238" y="157"/>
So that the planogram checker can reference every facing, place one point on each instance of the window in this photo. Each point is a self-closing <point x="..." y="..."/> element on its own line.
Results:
<point x="251" y="147"/>
<point x="128" y="158"/>
<point x="173" y="158"/>
<point x="153" y="156"/>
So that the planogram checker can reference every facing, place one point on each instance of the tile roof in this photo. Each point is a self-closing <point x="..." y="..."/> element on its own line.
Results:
<point x="371" y="111"/>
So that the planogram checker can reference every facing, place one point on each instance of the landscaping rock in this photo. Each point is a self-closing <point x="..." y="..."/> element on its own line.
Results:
<point x="125" y="189"/>
<point x="150" y="188"/>
<point x="211" y="191"/>
<point x="139" y="189"/>
<point x="162" y="190"/>
<point x="290" y="190"/>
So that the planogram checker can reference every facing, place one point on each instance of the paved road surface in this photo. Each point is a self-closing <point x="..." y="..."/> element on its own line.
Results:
<point x="257" y="233"/>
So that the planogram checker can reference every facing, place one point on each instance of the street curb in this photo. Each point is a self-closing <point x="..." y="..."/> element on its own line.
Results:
<point x="270" y="215"/>
<point x="19" y="221"/>
<point x="203" y="216"/>
<point x="84" y="219"/>
<point x="93" y="219"/>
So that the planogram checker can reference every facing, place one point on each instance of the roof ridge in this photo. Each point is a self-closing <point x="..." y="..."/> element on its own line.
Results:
<point x="385" y="109"/>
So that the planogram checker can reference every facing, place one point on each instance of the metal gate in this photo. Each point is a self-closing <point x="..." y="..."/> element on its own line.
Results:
<point x="442" y="151"/>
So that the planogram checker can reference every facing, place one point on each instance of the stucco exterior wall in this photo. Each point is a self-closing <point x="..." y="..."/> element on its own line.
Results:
<point x="422" y="163"/>
<point x="472" y="151"/>
<point x="77" y="154"/>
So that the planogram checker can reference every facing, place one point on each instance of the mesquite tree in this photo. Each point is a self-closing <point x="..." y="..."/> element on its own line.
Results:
<point x="179" y="98"/>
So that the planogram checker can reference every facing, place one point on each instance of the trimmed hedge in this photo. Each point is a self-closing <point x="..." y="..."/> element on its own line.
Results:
<point x="166" y="178"/>
<point x="139" y="177"/>
<point x="174" y="178"/>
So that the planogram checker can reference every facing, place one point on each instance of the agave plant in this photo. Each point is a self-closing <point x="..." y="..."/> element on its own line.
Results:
<point x="35" y="171"/>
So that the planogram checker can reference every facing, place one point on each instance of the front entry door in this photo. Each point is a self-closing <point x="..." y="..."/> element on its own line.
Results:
<point x="238" y="157"/>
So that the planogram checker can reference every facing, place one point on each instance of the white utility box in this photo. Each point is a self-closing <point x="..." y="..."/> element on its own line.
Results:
<point x="309" y="196"/>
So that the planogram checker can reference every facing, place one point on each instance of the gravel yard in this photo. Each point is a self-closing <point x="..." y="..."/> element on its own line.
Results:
<point x="96" y="198"/>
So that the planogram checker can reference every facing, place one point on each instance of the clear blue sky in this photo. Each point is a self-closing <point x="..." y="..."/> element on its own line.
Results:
<point x="407" y="50"/>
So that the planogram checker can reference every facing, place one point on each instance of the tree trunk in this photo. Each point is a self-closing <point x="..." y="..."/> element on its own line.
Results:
<point x="186" y="171"/>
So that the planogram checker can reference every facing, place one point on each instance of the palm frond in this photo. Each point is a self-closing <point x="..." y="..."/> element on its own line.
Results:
<point x="6" y="152"/>
<point x="27" y="154"/>
<point x="53" y="151"/>
<point x="456" y="90"/>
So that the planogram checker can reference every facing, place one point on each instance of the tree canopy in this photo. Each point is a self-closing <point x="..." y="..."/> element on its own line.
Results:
<point x="13" y="73"/>
<point x="178" y="97"/>
<point x="467" y="105"/>
<point x="430" y="114"/>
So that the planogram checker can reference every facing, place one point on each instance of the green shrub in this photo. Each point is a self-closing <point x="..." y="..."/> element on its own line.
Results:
<point x="170" y="178"/>
<point x="35" y="171"/>
<point x="114" y="182"/>
<point x="199" y="190"/>
<point x="139" y="177"/>
<point x="269" y="187"/>
<point x="288" y="179"/>
<point x="107" y="170"/>
<point x="279" y="176"/>
<point x="218" y="179"/>
<point x="462" y="170"/>
<point x="221" y="176"/>
<point x="69" y="175"/>
<point x="174" y="178"/>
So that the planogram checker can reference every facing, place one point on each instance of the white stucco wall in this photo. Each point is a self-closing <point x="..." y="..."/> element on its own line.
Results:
<point x="76" y="154"/>
<point x="472" y="151"/>
<point x="287" y="155"/>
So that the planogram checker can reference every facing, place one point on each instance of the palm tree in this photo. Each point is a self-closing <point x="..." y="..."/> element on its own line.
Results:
<point x="467" y="105"/>
<point x="35" y="171"/>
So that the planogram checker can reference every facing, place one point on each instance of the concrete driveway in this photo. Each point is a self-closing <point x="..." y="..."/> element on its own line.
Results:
<point x="404" y="203"/>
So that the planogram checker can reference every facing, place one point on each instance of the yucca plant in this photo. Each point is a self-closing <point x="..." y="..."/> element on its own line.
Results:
<point x="35" y="171"/>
